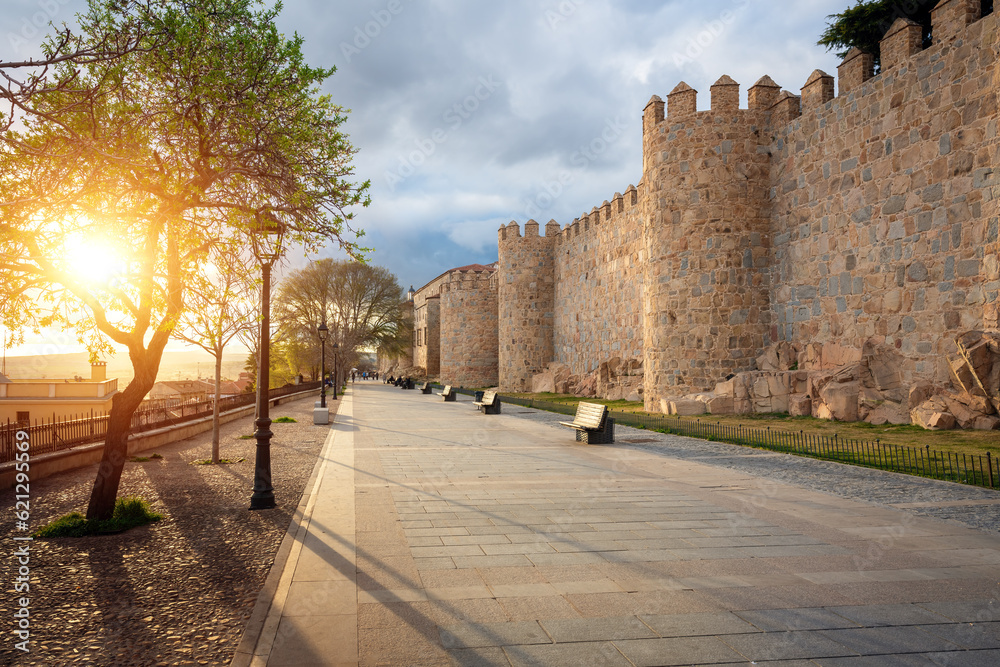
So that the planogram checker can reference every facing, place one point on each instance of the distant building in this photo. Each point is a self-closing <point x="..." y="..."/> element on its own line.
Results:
<point x="29" y="400"/>
<point x="240" y="386"/>
<point x="190" y="391"/>
<point x="184" y="391"/>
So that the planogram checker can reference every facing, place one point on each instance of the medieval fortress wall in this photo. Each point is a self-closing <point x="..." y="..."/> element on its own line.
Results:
<point x="870" y="216"/>
<point x="882" y="201"/>
<point x="469" y="328"/>
<point x="599" y="264"/>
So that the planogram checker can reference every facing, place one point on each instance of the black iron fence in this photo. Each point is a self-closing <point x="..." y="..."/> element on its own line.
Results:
<point x="59" y="434"/>
<point x="977" y="470"/>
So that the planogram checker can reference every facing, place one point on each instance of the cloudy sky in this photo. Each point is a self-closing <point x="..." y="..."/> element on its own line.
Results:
<point x="468" y="114"/>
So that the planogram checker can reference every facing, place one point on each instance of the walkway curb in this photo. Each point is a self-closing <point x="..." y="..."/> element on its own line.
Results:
<point x="255" y="636"/>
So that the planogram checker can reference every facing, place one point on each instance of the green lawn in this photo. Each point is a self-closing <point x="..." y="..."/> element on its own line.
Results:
<point x="956" y="441"/>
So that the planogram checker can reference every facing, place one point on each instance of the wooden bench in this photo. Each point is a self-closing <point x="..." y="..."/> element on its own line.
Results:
<point x="426" y="389"/>
<point x="490" y="404"/>
<point x="592" y="424"/>
<point x="448" y="394"/>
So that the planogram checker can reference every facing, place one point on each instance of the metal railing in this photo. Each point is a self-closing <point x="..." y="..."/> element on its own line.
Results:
<point x="57" y="435"/>
<point x="973" y="469"/>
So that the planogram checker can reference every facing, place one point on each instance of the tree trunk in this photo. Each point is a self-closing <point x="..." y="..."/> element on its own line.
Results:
<point x="215" y="409"/>
<point x="123" y="406"/>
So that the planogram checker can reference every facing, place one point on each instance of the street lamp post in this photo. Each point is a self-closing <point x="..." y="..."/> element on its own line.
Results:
<point x="267" y="247"/>
<point x="336" y="378"/>
<point x="323" y="331"/>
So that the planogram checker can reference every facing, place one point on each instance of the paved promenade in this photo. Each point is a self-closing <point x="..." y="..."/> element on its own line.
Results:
<point x="435" y="535"/>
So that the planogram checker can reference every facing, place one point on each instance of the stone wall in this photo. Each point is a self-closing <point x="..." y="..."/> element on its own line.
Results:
<point x="526" y="302"/>
<point x="707" y="237"/>
<point x="427" y="327"/>
<point x="469" y="346"/>
<point x="991" y="208"/>
<point x="868" y="218"/>
<point x="881" y="224"/>
<point x="599" y="262"/>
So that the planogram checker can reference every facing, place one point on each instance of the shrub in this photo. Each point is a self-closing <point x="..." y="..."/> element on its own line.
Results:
<point x="129" y="512"/>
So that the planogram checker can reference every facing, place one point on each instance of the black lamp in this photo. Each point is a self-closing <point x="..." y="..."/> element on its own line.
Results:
<point x="266" y="239"/>
<point x="323" y="332"/>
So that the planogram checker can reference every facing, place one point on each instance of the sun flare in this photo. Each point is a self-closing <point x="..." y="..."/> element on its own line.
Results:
<point x="92" y="260"/>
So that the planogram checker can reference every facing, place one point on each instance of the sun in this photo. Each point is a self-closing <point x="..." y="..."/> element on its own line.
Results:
<point x="93" y="261"/>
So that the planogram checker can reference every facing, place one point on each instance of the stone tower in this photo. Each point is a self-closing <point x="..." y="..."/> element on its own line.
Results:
<point x="469" y="328"/>
<point x="526" y="294"/>
<point x="989" y="179"/>
<point x="706" y="232"/>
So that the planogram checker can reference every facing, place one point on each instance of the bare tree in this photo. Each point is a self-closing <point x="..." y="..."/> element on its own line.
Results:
<point x="217" y="312"/>
<point x="359" y="302"/>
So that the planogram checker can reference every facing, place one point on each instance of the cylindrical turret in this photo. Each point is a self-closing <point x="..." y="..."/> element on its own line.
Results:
<point x="469" y="329"/>
<point x="707" y="311"/>
<point x="526" y="293"/>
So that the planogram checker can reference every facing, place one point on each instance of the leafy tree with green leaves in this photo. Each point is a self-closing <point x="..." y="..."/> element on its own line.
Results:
<point x="211" y="129"/>
<point x="865" y="24"/>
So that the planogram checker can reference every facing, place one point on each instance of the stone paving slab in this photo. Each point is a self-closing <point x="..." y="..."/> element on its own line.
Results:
<point x="438" y="535"/>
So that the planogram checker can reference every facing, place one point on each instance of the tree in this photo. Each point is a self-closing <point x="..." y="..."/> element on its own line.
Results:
<point x="212" y="130"/>
<point x="217" y="311"/>
<point x="359" y="302"/>
<point x="23" y="81"/>
<point x="865" y="24"/>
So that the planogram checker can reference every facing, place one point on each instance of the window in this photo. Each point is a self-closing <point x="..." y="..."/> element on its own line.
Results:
<point x="24" y="418"/>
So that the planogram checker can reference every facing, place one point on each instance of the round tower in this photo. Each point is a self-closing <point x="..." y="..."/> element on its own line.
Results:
<point x="469" y="328"/>
<point x="706" y="177"/>
<point x="525" y="303"/>
<point x="991" y="218"/>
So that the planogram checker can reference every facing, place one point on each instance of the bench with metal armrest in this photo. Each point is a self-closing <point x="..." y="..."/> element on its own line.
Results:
<point x="490" y="404"/>
<point x="592" y="424"/>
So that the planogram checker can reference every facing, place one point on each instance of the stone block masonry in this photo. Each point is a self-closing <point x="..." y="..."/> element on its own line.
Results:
<point x="526" y="303"/>
<point x="868" y="217"/>
<point x="861" y="216"/>
<point x="882" y="218"/>
<point x="469" y="328"/>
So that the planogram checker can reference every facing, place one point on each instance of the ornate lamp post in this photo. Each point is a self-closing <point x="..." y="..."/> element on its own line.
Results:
<point x="336" y="378"/>
<point x="266" y="240"/>
<point x="322" y="331"/>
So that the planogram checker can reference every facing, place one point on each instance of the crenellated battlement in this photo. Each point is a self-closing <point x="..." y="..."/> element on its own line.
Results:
<point x="864" y="207"/>
<point x="903" y="40"/>
<point x="614" y="213"/>
<point x="469" y="279"/>
<point x="511" y="232"/>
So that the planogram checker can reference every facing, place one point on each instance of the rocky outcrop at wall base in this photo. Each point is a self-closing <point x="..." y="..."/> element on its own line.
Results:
<point x="839" y="383"/>
<point x="615" y="379"/>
